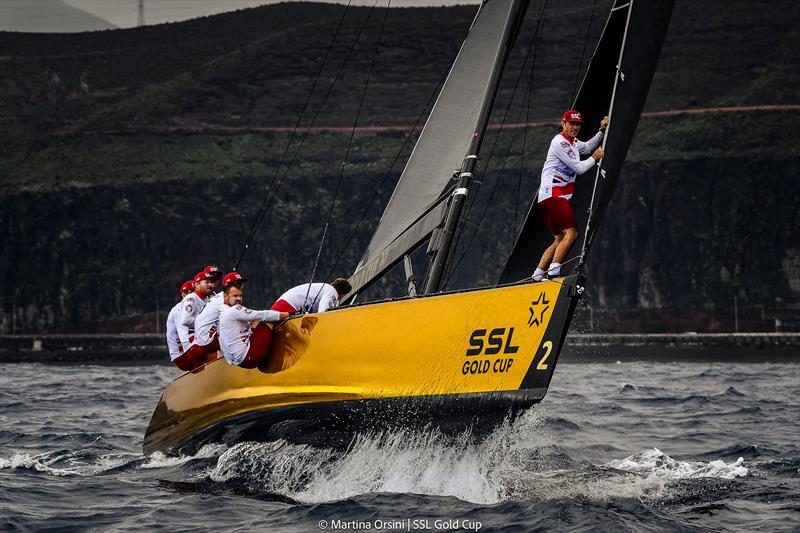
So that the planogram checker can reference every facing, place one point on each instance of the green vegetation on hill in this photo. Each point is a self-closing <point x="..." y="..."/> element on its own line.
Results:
<point x="148" y="150"/>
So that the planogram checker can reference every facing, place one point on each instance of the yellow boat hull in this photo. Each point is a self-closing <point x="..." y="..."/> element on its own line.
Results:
<point x="446" y="360"/>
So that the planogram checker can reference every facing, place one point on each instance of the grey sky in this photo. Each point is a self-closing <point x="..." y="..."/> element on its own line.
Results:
<point x="83" y="15"/>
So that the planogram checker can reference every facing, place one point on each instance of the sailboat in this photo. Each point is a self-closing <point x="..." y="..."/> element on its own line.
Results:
<point x="452" y="360"/>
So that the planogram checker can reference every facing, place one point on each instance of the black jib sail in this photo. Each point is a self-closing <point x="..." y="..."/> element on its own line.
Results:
<point x="616" y="84"/>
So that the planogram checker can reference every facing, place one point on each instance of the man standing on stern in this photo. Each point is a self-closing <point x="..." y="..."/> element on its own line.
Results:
<point x="562" y="166"/>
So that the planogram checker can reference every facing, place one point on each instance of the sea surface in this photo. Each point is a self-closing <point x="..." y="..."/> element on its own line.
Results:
<point x="635" y="446"/>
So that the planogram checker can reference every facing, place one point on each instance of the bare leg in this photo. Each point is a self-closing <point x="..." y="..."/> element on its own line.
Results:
<point x="547" y="256"/>
<point x="562" y="248"/>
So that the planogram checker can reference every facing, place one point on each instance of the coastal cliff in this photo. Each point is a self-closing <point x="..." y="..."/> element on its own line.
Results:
<point x="132" y="158"/>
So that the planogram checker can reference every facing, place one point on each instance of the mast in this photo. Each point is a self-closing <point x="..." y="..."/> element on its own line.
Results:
<point x="441" y="244"/>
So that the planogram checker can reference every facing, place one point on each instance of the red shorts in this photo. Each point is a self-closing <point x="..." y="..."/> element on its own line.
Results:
<point x="197" y="351"/>
<point x="259" y="346"/>
<point x="557" y="214"/>
<point x="283" y="306"/>
<point x="196" y="356"/>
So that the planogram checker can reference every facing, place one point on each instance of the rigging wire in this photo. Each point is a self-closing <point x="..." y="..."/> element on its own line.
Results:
<point x="266" y="200"/>
<point x="350" y="140"/>
<point x="583" y="54"/>
<point x="533" y="46"/>
<point x="529" y="96"/>
<point x="321" y="105"/>
<point x="388" y="173"/>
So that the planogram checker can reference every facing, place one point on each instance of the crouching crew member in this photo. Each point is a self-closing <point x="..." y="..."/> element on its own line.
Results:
<point x="206" y="342"/>
<point x="243" y="334"/>
<point x="173" y="340"/>
<point x="313" y="297"/>
<point x="191" y="306"/>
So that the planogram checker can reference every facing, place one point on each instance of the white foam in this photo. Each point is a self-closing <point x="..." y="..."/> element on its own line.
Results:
<point x="518" y="461"/>
<point x="74" y="463"/>
<point x="394" y="462"/>
<point x="42" y="463"/>
<point x="161" y="460"/>
<point x="654" y="462"/>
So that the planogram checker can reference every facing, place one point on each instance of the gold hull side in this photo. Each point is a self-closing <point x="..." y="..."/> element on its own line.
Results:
<point x="397" y="349"/>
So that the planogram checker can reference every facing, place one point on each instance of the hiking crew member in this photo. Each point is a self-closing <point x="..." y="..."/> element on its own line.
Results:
<point x="193" y="304"/>
<point x="173" y="341"/>
<point x="206" y="342"/>
<point x="317" y="299"/>
<point x="560" y="169"/>
<point x="243" y="336"/>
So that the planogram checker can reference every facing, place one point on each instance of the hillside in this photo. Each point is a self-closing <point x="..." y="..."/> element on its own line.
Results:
<point x="130" y="158"/>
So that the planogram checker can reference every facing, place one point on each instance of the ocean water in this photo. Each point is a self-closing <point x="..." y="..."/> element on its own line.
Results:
<point x="634" y="446"/>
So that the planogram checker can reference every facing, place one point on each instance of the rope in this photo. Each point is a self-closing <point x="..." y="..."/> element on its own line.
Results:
<point x="583" y="53"/>
<point x="350" y="140"/>
<point x="264" y="202"/>
<point x="533" y="46"/>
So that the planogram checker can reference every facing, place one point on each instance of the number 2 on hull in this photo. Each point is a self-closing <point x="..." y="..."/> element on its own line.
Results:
<point x="548" y="347"/>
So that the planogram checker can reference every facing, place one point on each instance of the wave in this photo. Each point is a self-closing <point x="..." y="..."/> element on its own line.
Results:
<point x="749" y="451"/>
<point x="161" y="460"/>
<point x="517" y="462"/>
<point x="402" y="461"/>
<point x="655" y="463"/>
<point x="65" y="462"/>
<point x="86" y="462"/>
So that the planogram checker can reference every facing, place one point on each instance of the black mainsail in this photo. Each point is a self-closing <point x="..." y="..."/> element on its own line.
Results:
<point x="453" y="131"/>
<point x="616" y="84"/>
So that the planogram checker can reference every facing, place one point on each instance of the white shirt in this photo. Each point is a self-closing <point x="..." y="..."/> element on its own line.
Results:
<point x="321" y="297"/>
<point x="207" y="322"/>
<point x="563" y="164"/>
<point x="173" y="340"/>
<point x="191" y="306"/>
<point x="235" y="331"/>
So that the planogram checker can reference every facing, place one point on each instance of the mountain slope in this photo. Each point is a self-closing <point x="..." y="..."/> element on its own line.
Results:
<point x="148" y="151"/>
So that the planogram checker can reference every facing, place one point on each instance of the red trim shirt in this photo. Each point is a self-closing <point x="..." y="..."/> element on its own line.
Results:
<point x="563" y="164"/>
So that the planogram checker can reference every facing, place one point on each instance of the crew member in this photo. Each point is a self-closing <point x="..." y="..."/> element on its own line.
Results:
<point x="206" y="344"/>
<point x="244" y="335"/>
<point x="560" y="169"/>
<point x="313" y="297"/>
<point x="173" y="341"/>
<point x="193" y="304"/>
